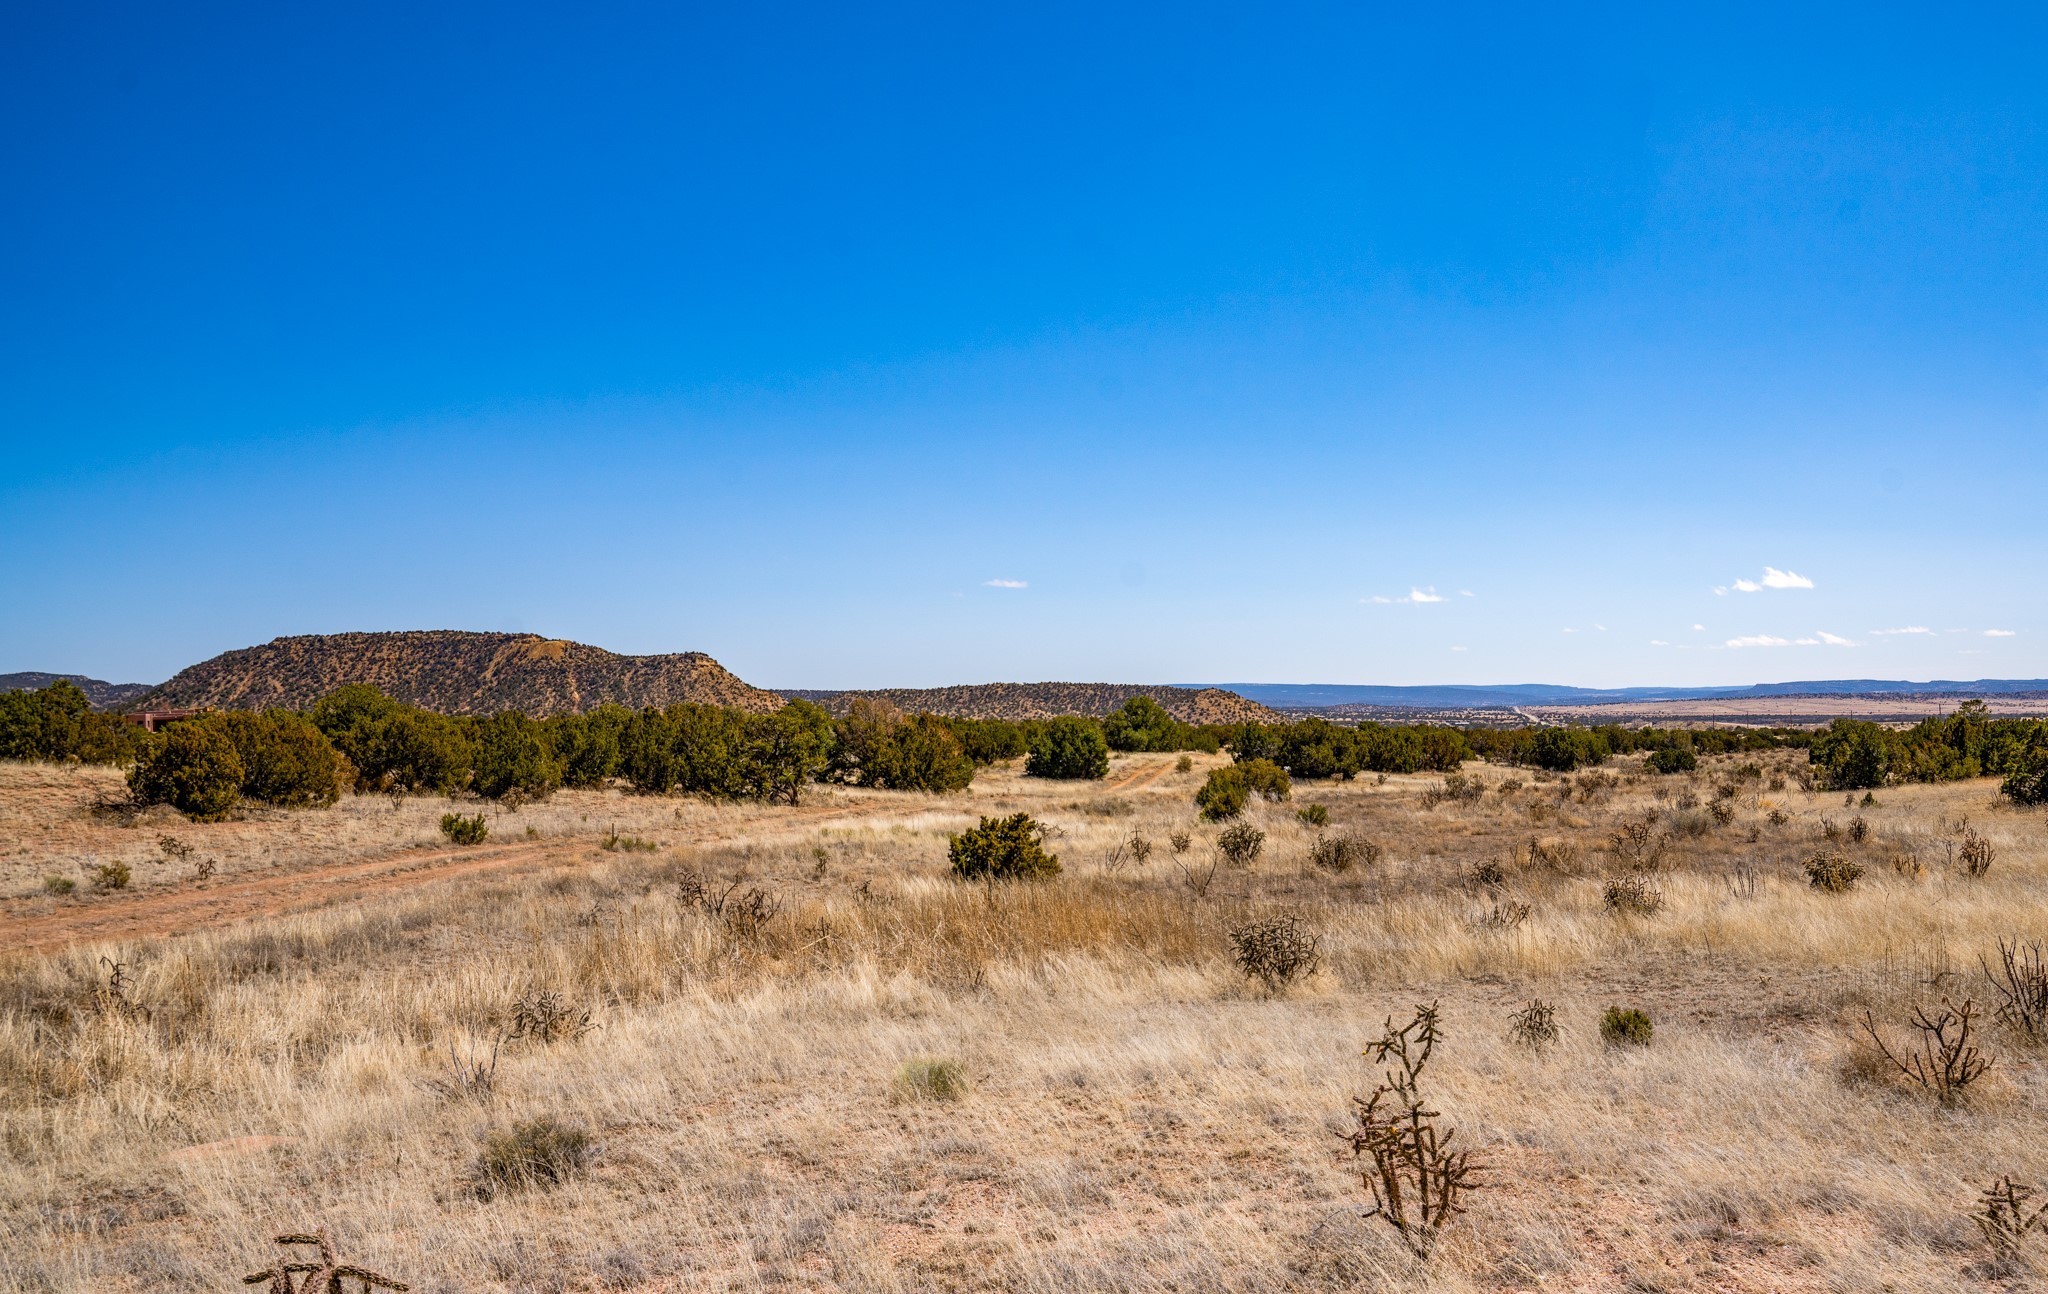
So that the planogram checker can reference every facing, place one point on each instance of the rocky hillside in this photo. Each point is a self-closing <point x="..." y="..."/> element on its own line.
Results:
<point x="1045" y="700"/>
<point x="456" y="673"/>
<point x="104" y="696"/>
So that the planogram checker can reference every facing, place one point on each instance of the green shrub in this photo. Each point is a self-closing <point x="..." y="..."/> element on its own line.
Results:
<point x="57" y="723"/>
<point x="1003" y="849"/>
<point x="286" y="759"/>
<point x="1853" y="754"/>
<point x="193" y="767"/>
<point x="1672" y="759"/>
<point x="1068" y="749"/>
<point x="929" y="1079"/>
<point x="59" y="885"/>
<point x="462" y="830"/>
<point x="1224" y="795"/>
<point x="988" y="741"/>
<point x="1564" y="749"/>
<point x="1266" y="779"/>
<point x="2027" y="783"/>
<point x="107" y="877"/>
<point x="1142" y="724"/>
<point x="1315" y="815"/>
<point x="1626" y="1027"/>
<point x="589" y="746"/>
<point x="514" y="759"/>
<point x="875" y="745"/>
<point x="541" y="1152"/>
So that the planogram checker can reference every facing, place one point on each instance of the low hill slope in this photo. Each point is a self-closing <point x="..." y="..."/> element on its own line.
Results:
<point x="104" y="696"/>
<point x="1047" y="700"/>
<point x="456" y="673"/>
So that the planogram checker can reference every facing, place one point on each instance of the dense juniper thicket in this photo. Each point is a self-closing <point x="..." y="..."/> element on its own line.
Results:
<point x="357" y="738"/>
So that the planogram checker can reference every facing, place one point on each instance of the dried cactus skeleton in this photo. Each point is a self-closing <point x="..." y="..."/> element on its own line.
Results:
<point x="2004" y="1217"/>
<point x="1416" y="1180"/>
<point x="324" y="1276"/>
<point x="1947" y="1060"/>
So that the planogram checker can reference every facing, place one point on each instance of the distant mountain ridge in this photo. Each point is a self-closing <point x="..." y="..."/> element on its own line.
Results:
<point x="1047" y="700"/>
<point x="103" y="695"/>
<point x="1301" y="696"/>
<point x="455" y="672"/>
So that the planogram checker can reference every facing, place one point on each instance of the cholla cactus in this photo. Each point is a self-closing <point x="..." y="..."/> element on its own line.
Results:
<point x="324" y="1276"/>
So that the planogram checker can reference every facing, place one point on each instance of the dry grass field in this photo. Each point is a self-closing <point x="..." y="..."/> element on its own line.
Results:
<point x="804" y="1058"/>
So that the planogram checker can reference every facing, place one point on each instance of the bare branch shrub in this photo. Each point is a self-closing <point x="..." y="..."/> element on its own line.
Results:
<point x="1639" y="845"/>
<point x="1178" y="841"/>
<point x="1416" y="1180"/>
<point x="2021" y="982"/>
<point x="1507" y="914"/>
<point x="1946" y="1060"/>
<point x="1276" y="951"/>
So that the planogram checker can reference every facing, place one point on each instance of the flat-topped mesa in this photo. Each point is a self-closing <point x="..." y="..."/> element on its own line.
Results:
<point x="455" y="672"/>
<point x="1049" y="700"/>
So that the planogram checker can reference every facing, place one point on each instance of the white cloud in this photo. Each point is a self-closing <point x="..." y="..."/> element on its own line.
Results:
<point x="2001" y="633"/>
<point x="1773" y="579"/>
<point x="1465" y="593"/>
<point x="1758" y="640"/>
<point x="1005" y="584"/>
<point x="1413" y="595"/>
<point x="1601" y="628"/>
<point x="1659" y="642"/>
<point x="1893" y="633"/>
<point x="1833" y="640"/>
<point x="1806" y="642"/>
<point x="1457" y="649"/>
<point x="1699" y="629"/>
<point x="1571" y="631"/>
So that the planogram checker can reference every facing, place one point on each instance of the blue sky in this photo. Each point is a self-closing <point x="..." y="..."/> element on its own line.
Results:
<point x="864" y="346"/>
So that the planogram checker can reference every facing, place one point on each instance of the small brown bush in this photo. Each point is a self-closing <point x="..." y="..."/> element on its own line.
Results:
<point x="1276" y="951"/>
<point x="1240" y="845"/>
<point x="1342" y="853"/>
<point x="1534" y="1026"/>
<point x="107" y="877"/>
<point x="542" y="1152"/>
<point x="1833" y="873"/>
<point x="1633" y="896"/>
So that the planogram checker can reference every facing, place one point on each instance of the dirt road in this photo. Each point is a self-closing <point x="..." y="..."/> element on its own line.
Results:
<point x="171" y="910"/>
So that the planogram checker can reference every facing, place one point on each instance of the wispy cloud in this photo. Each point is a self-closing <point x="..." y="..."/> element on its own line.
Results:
<point x="1893" y="633"/>
<point x="1833" y="640"/>
<point x="1006" y="584"/>
<point x="1412" y="595"/>
<point x="1466" y="593"/>
<point x="1457" y="649"/>
<point x="1773" y="579"/>
<point x="1759" y="640"/>
<point x="2001" y="633"/>
<point x="1659" y="642"/>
